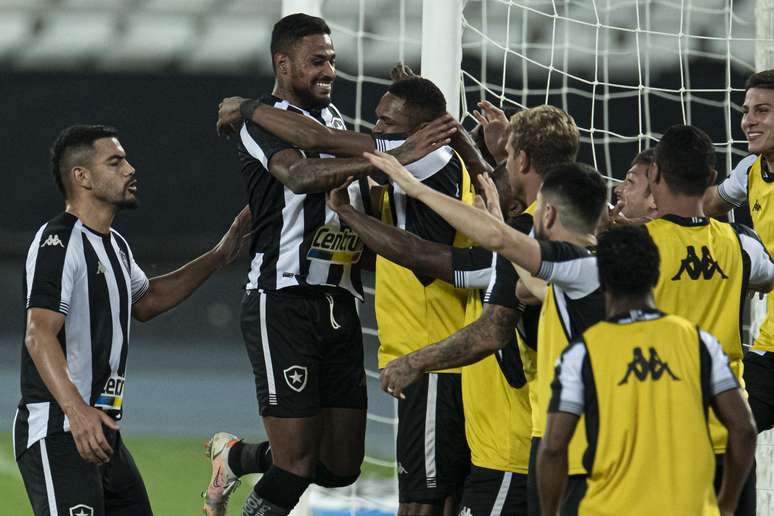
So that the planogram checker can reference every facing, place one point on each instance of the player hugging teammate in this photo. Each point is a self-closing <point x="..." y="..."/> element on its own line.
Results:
<point x="550" y="355"/>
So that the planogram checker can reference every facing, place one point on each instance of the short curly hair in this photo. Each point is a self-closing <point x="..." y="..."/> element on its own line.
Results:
<point x="628" y="261"/>
<point x="547" y="135"/>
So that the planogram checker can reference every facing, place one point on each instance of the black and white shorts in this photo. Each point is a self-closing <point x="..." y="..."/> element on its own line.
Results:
<point x="489" y="492"/>
<point x="432" y="451"/>
<point x="60" y="482"/>
<point x="306" y="348"/>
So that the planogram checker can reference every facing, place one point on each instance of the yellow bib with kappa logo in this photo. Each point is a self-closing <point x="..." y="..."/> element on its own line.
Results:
<point x="702" y="280"/>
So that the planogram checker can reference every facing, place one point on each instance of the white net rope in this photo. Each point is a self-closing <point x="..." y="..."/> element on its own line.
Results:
<point x="626" y="70"/>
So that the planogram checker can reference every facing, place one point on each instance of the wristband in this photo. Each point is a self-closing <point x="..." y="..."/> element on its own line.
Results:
<point x="248" y="107"/>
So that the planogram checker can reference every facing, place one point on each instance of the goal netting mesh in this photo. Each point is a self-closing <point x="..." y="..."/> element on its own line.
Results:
<point x="624" y="69"/>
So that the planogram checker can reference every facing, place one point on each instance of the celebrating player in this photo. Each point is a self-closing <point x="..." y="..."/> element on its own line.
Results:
<point x="708" y="262"/>
<point x="81" y="287"/>
<point x="644" y="380"/>
<point x="635" y="202"/>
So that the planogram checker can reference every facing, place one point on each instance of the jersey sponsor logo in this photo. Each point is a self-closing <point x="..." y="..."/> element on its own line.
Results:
<point x="295" y="377"/>
<point x="52" y="240"/>
<point x="112" y="396"/>
<point x="756" y="206"/>
<point x="334" y="244"/>
<point x="81" y="510"/>
<point x="696" y="267"/>
<point x="641" y="367"/>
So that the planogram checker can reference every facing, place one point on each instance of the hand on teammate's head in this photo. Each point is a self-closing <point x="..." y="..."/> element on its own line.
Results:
<point x="229" y="115"/>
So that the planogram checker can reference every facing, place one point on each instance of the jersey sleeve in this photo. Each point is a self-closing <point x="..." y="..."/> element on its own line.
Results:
<point x="51" y="270"/>
<point x="140" y="282"/>
<point x="261" y="144"/>
<point x="570" y="267"/>
<point x="472" y="267"/>
<point x="761" y="264"/>
<point x="721" y="378"/>
<point x="501" y="290"/>
<point x="568" y="388"/>
<point x="733" y="189"/>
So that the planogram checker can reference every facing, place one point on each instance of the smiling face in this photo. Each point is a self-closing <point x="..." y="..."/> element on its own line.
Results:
<point x="308" y="70"/>
<point x="110" y="176"/>
<point x="758" y="120"/>
<point x="635" y="193"/>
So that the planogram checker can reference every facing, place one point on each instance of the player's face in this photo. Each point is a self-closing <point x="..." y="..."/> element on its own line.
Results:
<point x="392" y="116"/>
<point x="312" y="70"/>
<point x="112" y="177"/>
<point x="635" y="193"/>
<point x="758" y="120"/>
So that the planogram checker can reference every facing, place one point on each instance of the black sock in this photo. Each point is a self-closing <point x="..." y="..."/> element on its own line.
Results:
<point x="275" y="494"/>
<point x="326" y="478"/>
<point x="244" y="458"/>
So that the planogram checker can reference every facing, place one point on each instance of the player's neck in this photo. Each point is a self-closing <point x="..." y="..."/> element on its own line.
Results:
<point x="94" y="215"/>
<point x="560" y="234"/>
<point x="617" y="305"/>
<point x="286" y="94"/>
<point x="680" y="205"/>
<point x="769" y="158"/>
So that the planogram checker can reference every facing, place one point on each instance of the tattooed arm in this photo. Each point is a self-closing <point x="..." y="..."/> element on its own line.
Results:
<point x="481" y="338"/>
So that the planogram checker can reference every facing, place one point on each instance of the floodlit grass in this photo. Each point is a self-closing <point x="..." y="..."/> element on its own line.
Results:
<point x="174" y="469"/>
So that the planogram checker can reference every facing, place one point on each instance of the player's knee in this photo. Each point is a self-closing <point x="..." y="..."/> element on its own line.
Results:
<point x="326" y="478"/>
<point x="299" y="462"/>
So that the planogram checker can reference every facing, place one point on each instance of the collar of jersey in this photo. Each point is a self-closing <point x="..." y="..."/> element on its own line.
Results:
<point x="646" y="314"/>
<point x="686" y="221"/>
<point x="316" y="113"/>
<point x="765" y="174"/>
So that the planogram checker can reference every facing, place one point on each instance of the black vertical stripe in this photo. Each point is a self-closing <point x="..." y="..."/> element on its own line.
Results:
<point x="314" y="217"/>
<point x="100" y="321"/>
<point x="591" y="411"/>
<point x="746" y="271"/>
<point x="123" y="295"/>
<point x="21" y="430"/>
<point x="705" y="372"/>
<point x="50" y="260"/>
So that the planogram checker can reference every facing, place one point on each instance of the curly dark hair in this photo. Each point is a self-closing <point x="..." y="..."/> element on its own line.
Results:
<point x="686" y="159"/>
<point x="628" y="261"/>
<point x="424" y="100"/>
<point x="293" y="28"/>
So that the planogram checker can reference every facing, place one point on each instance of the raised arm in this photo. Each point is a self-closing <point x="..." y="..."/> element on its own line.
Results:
<point x="167" y="291"/>
<point x="481" y="227"/>
<point x="714" y="204"/>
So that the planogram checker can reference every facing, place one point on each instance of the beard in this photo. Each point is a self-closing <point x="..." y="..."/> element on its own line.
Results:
<point x="128" y="204"/>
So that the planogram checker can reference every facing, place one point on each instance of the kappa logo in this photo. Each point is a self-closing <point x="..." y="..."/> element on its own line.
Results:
<point x="81" y="510"/>
<point x="696" y="267"/>
<point x="52" y="240"/>
<point x="465" y="511"/>
<point x="101" y="268"/>
<point x="295" y="377"/>
<point x="641" y="368"/>
<point x="401" y="469"/>
<point x="756" y="206"/>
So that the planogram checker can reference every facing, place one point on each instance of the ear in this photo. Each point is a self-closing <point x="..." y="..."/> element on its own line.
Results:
<point x="653" y="174"/>
<point x="81" y="177"/>
<point x="712" y="178"/>
<point x="549" y="216"/>
<point x="524" y="160"/>
<point x="282" y="63"/>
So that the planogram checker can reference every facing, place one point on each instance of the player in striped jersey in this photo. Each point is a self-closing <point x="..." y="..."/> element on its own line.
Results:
<point x="299" y="322"/>
<point x="82" y="286"/>
<point x="752" y="181"/>
<point x="644" y="379"/>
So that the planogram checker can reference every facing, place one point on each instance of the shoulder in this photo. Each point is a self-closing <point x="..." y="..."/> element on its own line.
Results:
<point x="552" y="251"/>
<point x="56" y="232"/>
<point x="744" y="166"/>
<point x="522" y="222"/>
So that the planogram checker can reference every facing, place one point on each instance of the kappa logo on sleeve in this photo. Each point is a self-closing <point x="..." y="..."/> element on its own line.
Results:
<point x="81" y="510"/>
<point x="52" y="240"/>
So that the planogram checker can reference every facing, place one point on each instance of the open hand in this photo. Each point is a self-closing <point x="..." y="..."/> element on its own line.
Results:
<point x="432" y="136"/>
<point x="229" y="116"/>
<point x="397" y="172"/>
<point x="86" y="428"/>
<point x="495" y="125"/>
<point x="235" y="238"/>
<point x="491" y="196"/>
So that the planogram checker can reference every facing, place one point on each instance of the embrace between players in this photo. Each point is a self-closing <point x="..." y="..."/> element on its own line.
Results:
<point x="519" y="318"/>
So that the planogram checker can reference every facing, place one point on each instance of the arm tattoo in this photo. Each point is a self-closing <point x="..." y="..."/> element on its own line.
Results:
<point x="487" y="334"/>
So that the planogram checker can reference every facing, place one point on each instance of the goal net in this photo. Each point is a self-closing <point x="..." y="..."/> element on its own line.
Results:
<point x="624" y="69"/>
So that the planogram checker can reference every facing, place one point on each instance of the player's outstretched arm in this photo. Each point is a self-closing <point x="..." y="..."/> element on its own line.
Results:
<point x="86" y="422"/>
<point x="552" y="461"/>
<point x="167" y="291"/>
<point x="481" y="227"/>
<point x="406" y="249"/>
<point x="490" y="332"/>
<point x="733" y="411"/>
<point x="714" y="204"/>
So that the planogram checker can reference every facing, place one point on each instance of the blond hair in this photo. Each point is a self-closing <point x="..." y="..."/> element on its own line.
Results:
<point x="547" y="135"/>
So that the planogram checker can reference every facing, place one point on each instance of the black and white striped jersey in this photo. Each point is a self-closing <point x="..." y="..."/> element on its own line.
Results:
<point x="298" y="239"/>
<point x="92" y="279"/>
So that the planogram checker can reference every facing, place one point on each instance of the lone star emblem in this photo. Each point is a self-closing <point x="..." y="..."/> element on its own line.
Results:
<point x="295" y="377"/>
<point x="82" y="510"/>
